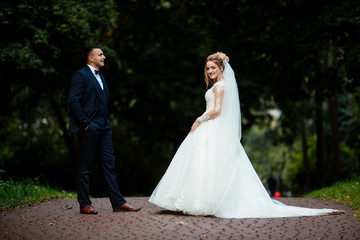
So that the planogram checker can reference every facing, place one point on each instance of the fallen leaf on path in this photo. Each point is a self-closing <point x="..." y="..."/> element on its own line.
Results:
<point x="180" y="222"/>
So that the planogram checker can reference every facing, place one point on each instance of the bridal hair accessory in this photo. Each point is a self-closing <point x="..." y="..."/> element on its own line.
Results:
<point x="218" y="56"/>
<point x="223" y="56"/>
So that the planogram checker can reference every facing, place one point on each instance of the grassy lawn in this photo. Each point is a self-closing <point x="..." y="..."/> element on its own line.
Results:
<point x="13" y="194"/>
<point x="345" y="192"/>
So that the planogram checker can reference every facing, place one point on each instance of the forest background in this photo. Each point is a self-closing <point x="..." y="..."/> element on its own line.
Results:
<point x="297" y="65"/>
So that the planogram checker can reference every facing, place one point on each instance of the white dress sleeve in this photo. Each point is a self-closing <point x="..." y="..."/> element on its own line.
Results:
<point x="218" y="89"/>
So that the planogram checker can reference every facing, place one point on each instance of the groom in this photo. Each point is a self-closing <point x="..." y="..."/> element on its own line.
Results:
<point x="88" y="100"/>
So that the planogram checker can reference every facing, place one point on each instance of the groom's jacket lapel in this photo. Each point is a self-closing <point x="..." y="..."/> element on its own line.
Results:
<point x="106" y="90"/>
<point x="94" y="81"/>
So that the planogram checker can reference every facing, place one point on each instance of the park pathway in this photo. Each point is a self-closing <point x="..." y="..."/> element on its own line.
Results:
<point x="60" y="219"/>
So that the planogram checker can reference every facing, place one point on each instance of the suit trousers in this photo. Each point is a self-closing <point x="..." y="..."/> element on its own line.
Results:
<point x="97" y="142"/>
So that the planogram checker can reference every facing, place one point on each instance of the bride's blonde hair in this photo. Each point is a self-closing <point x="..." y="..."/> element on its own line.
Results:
<point x="218" y="58"/>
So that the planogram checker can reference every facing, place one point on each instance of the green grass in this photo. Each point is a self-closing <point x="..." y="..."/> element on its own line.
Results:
<point x="345" y="192"/>
<point x="25" y="192"/>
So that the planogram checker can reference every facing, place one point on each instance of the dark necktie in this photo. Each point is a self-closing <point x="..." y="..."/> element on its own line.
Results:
<point x="97" y="72"/>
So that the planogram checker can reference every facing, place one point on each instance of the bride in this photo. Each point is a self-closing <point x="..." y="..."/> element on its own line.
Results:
<point x="210" y="173"/>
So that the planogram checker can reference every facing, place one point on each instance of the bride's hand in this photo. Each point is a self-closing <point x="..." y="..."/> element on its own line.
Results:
<point x="195" y="125"/>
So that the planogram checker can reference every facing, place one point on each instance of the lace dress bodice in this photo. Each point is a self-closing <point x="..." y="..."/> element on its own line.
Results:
<point x="210" y="96"/>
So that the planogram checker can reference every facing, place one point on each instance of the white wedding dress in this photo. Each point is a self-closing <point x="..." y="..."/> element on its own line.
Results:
<point x="211" y="174"/>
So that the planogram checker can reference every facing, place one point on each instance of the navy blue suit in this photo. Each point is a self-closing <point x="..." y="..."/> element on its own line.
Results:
<point x="89" y="107"/>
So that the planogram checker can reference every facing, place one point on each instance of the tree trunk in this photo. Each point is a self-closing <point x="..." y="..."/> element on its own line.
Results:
<point x="69" y="139"/>
<point x="319" y="134"/>
<point x="334" y="116"/>
<point x="306" y="163"/>
<point x="280" y="178"/>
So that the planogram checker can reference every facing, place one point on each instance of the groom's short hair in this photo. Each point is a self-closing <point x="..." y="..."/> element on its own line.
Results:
<point x="88" y="50"/>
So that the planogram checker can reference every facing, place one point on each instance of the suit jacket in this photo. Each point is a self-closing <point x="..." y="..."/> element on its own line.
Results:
<point x="88" y="102"/>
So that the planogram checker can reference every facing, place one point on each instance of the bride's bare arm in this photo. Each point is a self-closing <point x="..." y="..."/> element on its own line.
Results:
<point x="216" y="111"/>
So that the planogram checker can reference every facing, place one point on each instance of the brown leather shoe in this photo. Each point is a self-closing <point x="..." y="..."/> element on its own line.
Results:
<point x="88" y="210"/>
<point x="126" y="208"/>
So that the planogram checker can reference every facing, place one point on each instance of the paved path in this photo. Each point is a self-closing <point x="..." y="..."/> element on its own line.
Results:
<point x="60" y="219"/>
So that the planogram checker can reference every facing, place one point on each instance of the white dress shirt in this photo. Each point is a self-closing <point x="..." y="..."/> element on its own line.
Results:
<point x="97" y="76"/>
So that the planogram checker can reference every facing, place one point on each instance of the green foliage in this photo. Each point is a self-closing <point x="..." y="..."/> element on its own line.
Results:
<point x="295" y="162"/>
<point x="26" y="192"/>
<point x="266" y="156"/>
